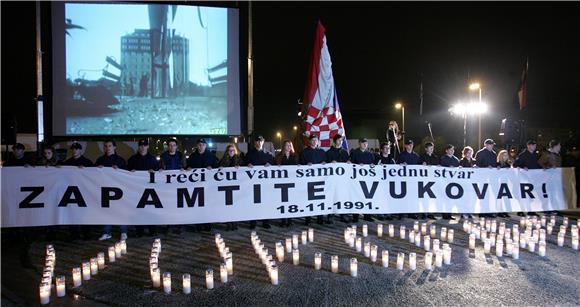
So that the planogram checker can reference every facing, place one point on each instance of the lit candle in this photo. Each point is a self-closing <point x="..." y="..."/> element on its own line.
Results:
<point x="516" y="252"/>
<point x="304" y="237"/>
<point x="418" y="239"/>
<point x="123" y="247"/>
<point x="472" y="241"/>
<point x="428" y="261"/>
<point x="209" y="278"/>
<point x="94" y="266"/>
<point x="413" y="261"/>
<point x="186" y="283"/>
<point x="423" y="229"/>
<point x="317" y="261"/>
<point x="509" y="247"/>
<point x="499" y="249"/>
<point x="427" y="243"/>
<point x="487" y="246"/>
<point x="60" y="286"/>
<point x="353" y="229"/>
<point x="112" y="254"/>
<point x="402" y="232"/>
<point x="412" y="236"/>
<point x="365" y="230"/>
<point x="549" y="228"/>
<point x="385" y="258"/>
<point x="359" y="244"/>
<point x="532" y="246"/>
<point x="374" y="250"/>
<point x="391" y="230"/>
<point x="400" y="261"/>
<point x="446" y="254"/>
<point x="542" y="249"/>
<point x="44" y="293"/>
<point x="367" y="249"/>
<point x="433" y="231"/>
<point x="416" y="226"/>
<point x="493" y="239"/>
<point x="353" y="267"/>
<point x="436" y="245"/>
<point x="310" y="235"/>
<point x="156" y="277"/>
<point x="450" y="235"/>
<point x="522" y="221"/>
<point x="224" y="273"/>
<point x="575" y="243"/>
<point x="117" y="250"/>
<point x="560" y="239"/>
<point x="439" y="259"/>
<point x="295" y="256"/>
<point x="351" y="240"/>
<point x="86" y="270"/>
<point x="334" y="264"/>
<point x="443" y="235"/>
<point x="288" y="245"/>
<point x="379" y="230"/>
<point x="274" y="275"/>
<point x="346" y="234"/>
<point x="280" y="252"/>
<point x="229" y="264"/>
<point x="77" y="281"/>
<point x="294" y="241"/>
<point x="101" y="260"/>
<point x="542" y="234"/>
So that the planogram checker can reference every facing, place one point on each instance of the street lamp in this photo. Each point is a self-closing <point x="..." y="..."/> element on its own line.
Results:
<point x="476" y="86"/>
<point x="398" y="106"/>
<point x="295" y="128"/>
<point x="279" y="135"/>
<point x="465" y="109"/>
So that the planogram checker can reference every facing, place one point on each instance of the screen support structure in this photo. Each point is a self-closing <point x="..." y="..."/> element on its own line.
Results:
<point x="250" y="73"/>
<point x="39" y="96"/>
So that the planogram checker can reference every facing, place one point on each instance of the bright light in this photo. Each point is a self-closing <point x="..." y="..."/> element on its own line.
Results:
<point x="398" y="105"/>
<point x="295" y="128"/>
<point x="210" y="144"/>
<point x="473" y="108"/>
<point x="474" y="86"/>
<point x="300" y="113"/>
<point x="278" y="134"/>
<point x="236" y="140"/>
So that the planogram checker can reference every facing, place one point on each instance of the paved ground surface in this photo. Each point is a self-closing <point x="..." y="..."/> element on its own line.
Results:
<point x="471" y="279"/>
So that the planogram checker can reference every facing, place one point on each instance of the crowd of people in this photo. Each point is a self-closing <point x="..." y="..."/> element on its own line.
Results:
<point x="389" y="153"/>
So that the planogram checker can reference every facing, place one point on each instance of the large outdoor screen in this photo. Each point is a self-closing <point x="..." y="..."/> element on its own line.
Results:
<point x="145" y="69"/>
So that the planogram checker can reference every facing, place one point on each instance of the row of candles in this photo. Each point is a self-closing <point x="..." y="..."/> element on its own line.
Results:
<point x="267" y="259"/>
<point x="79" y="274"/>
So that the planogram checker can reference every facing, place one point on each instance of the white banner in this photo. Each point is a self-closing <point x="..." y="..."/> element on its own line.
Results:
<point x="70" y="195"/>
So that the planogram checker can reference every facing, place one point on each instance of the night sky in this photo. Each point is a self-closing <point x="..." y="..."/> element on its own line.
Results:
<point x="381" y="52"/>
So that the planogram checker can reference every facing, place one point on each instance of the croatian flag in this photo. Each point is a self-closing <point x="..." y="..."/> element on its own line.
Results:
<point x="323" y="117"/>
<point x="522" y="89"/>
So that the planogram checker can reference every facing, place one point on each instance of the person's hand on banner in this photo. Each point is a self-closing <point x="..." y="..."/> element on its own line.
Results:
<point x="132" y="171"/>
<point x="100" y="166"/>
<point x="209" y="168"/>
<point x="250" y="165"/>
<point x="267" y="164"/>
<point x="115" y="166"/>
<point x="151" y="171"/>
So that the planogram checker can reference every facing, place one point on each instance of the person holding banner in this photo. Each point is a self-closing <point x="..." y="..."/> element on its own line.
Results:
<point x="143" y="161"/>
<point x="77" y="158"/>
<point x="551" y="157"/>
<point x="313" y="155"/>
<point x="172" y="159"/>
<point x="201" y="158"/>
<point x="111" y="159"/>
<point x="231" y="158"/>
<point x="362" y="155"/>
<point x="336" y="153"/>
<point x="408" y="156"/>
<point x="286" y="157"/>
<point x="384" y="156"/>
<point x="18" y="158"/>
<point x="528" y="159"/>
<point x="486" y="157"/>
<point x="48" y="158"/>
<point x="258" y="156"/>
<point x="503" y="159"/>
<point x="429" y="158"/>
<point x="467" y="157"/>
<point x="449" y="159"/>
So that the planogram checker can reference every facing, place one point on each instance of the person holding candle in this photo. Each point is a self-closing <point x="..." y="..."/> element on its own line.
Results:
<point x="113" y="160"/>
<point x="287" y="156"/>
<point x="313" y="155"/>
<point x="259" y="156"/>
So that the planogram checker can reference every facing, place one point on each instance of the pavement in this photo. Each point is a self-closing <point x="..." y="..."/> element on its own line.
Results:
<point x="473" y="278"/>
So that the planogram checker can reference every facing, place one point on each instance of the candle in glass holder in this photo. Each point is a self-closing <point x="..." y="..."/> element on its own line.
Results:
<point x="274" y="275"/>
<point x="439" y="259"/>
<point x="334" y="264"/>
<point x="123" y="247"/>
<point x="575" y="242"/>
<point x="532" y="246"/>
<point x="446" y="254"/>
<point x="365" y="230"/>
<point x="433" y="231"/>
<point x="60" y="286"/>
<point x="487" y="246"/>
<point x="359" y="244"/>
<point x="436" y="245"/>
<point x="472" y="241"/>
<point x="304" y="237"/>
<point x="101" y="260"/>
<point x="400" y="261"/>
<point x="117" y="250"/>
<point x="418" y="239"/>
<point x="156" y="277"/>
<point x="443" y="235"/>
<point x="288" y="245"/>
<point x="542" y="249"/>
<point x="186" y="283"/>
<point x="77" y="281"/>
<point x="229" y="264"/>
<point x="516" y="252"/>
<point x="112" y="254"/>
<point x="549" y="228"/>
<point x="402" y="232"/>
<point x="379" y="230"/>
<point x="86" y="270"/>
<point x="450" y="235"/>
<point x="351" y="240"/>
<point x="295" y="256"/>
<point x="346" y="234"/>
<point x="280" y="252"/>
<point x="412" y="236"/>
<point x="353" y="267"/>
<point x="542" y="234"/>
<point x="413" y="261"/>
<point x="310" y="234"/>
<point x="44" y="290"/>
<point x="374" y="250"/>
<point x="509" y="247"/>
<point x="391" y="230"/>
<point x="294" y="241"/>
<point x="499" y="249"/>
<point x="428" y="261"/>
<point x="94" y="266"/>
<point x="317" y="261"/>
<point x="385" y="258"/>
<point x="423" y="229"/>
<point x="209" y="279"/>
<point x="223" y="273"/>
<point x="416" y="226"/>
<point x="560" y="239"/>
<point x="367" y="249"/>
<point x="427" y="243"/>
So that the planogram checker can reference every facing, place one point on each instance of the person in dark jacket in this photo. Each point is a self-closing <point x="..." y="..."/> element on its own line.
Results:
<point x="408" y="156"/>
<point x="384" y="156"/>
<point x="77" y="158"/>
<point x="313" y="155"/>
<point x="429" y="158"/>
<point x="111" y="159"/>
<point x="143" y="161"/>
<point x="17" y="158"/>
<point x="486" y="157"/>
<point x="528" y="159"/>
<point x="503" y="159"/>
<point x="231" y="158"/>
<point x="467" y="157"/>
<point x="172" y="159"/>
<point x="258" y="156"/>
<point x="336" y="153"/>
<point x="286" y="156"/>
<point x="362" y="155"/>
<point x="449" y="159"/>
<point x="551" y="157"/>
<point x="48" y="158"/>
<point x="201" y="158"/>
